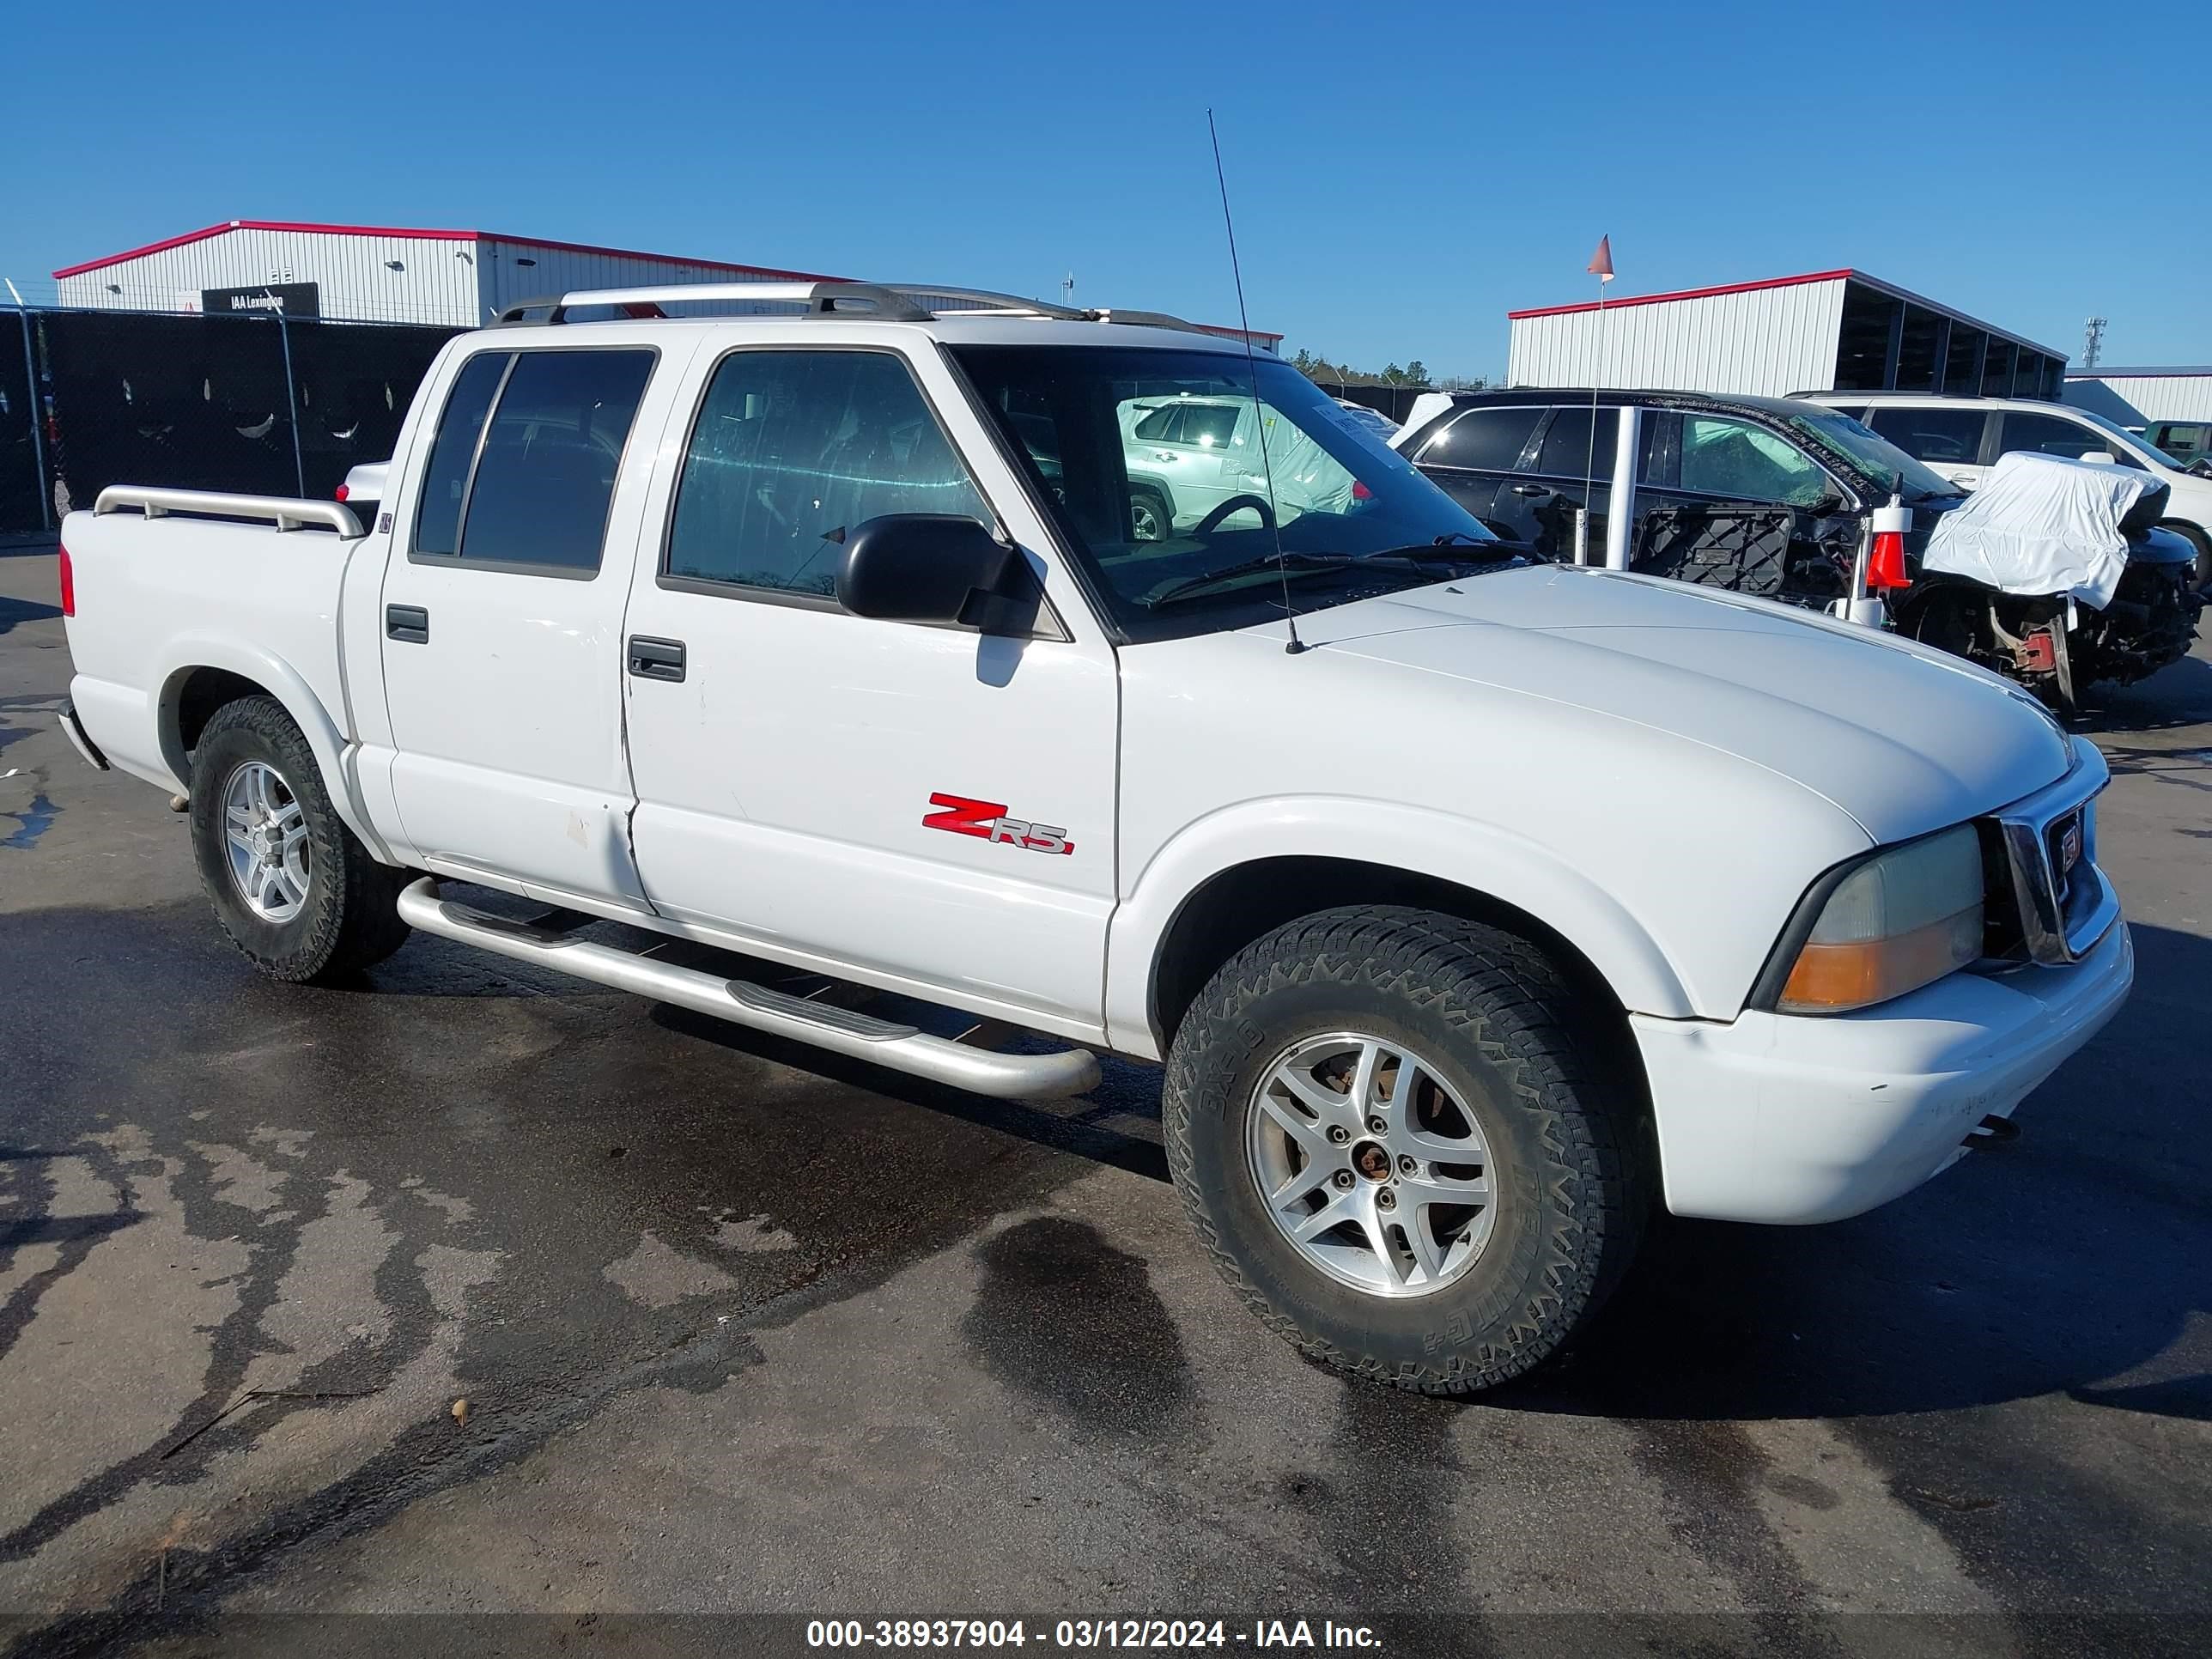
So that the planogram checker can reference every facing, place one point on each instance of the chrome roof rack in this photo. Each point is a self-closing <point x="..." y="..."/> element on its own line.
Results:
<point x="900" y="302"/>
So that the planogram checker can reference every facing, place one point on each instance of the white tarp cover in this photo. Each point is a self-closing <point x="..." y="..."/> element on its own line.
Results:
<point x="2041" y="525"/>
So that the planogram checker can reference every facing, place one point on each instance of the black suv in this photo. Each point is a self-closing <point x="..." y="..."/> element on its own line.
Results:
<point x="1779" y="487"/>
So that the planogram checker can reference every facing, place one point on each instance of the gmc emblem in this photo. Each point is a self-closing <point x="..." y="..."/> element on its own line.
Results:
<point x="988" y="820"/>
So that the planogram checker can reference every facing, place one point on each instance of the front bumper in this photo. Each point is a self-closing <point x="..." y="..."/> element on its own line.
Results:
<point x="1789" y="1119"/>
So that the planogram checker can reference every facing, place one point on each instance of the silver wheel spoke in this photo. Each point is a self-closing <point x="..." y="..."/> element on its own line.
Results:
<point x="1438" y="1149"/>
<point x="1427" y="1186"/>
<point x="1343" y="1206"/>
<point x="1331" y="1107"/>
<point x="1378" y="1240"/>
<point x="1295" y="1124"/>
<point x="1362" y="1097"/>
<point x="1427" y="1255"/>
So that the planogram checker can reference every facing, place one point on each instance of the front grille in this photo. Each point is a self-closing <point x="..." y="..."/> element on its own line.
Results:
<point x="2044" y="911"/>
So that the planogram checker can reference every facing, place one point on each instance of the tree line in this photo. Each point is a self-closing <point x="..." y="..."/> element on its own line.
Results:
<point x="1415" y="374"/>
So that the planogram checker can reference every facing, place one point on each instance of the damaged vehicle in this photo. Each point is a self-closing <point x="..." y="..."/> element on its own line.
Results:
<point x="1775" y="497"/>
<point x="2057" y="573"/>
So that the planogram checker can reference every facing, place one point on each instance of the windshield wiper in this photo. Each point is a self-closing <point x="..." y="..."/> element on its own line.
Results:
<point x="1291" y="564"/>
<point x="1306" y="565"/>
<point x="1444" y="551"/>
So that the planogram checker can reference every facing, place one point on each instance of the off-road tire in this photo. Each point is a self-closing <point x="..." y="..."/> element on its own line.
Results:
<point x="1566" y="1123"/>
<point x="350" y="919"/>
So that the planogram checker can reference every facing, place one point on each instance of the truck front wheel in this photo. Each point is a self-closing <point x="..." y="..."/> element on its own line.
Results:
<point x="292" y="886"/>
<point x="1402" y="1143"/>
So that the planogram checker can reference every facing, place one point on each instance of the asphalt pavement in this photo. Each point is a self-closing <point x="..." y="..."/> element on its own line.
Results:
<point x="567" y="1322"/>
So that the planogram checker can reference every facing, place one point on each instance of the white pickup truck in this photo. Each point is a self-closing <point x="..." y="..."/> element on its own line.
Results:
<point x="1493" y="906"/>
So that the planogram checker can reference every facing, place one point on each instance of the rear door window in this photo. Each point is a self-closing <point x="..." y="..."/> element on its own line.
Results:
<point x="1568" y="450"/>
<point x="454" y="453"/>
<point x="529" y="487"/>
<point x="1489" y="440"/>
<point x="546" y="477"/>
<point x="1953" y="435"/>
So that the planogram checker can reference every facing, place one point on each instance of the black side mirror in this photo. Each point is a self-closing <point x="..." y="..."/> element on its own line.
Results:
<point x="931" y="568"/>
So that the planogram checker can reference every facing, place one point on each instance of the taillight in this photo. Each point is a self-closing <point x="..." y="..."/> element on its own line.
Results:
<point x="69" y="586"/>
<point x="1360" y="492"/>
<point x="344" y="490"/>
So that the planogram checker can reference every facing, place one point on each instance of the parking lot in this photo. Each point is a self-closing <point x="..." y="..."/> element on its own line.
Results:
<point x="472" y="1291"/>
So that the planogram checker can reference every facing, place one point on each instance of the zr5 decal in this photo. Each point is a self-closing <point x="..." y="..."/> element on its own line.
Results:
<point x="988" y="820"/>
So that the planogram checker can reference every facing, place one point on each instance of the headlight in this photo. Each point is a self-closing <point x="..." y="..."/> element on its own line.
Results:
<point x="1902" y="920"/>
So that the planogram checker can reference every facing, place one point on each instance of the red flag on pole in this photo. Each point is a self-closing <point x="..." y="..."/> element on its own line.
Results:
<point x="1601" y="265"/>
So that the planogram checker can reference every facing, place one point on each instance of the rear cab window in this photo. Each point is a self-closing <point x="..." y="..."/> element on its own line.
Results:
<point x="522" y="472"/>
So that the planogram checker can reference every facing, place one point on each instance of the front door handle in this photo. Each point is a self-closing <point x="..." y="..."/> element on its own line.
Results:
<point x="656" y="659"/>
<point x="1532" y="489"/>
<point x="408" y="624"/>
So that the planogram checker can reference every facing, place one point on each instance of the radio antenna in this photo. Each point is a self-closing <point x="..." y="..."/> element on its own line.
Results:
<point x="1259" y="412"/>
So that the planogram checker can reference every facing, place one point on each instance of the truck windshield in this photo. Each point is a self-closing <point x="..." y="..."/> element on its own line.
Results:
<point x="1873" y="455"/>
<point x="1161" y="467"/>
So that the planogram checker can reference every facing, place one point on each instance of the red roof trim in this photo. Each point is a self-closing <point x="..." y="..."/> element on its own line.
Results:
<point x="403" y="232"/>
<point x="1697" y="293"/>
<point x="262" y="224"/>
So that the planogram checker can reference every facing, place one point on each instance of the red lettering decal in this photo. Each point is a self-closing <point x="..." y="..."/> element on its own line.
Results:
<point x="963" y="816"/>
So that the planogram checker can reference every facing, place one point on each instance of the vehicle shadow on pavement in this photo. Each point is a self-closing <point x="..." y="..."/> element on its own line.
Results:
<point x="2178" y="694"/>
<point x="2069" y="1261"/>
<point x="23" y="610"/>
<point x="1080" y="1126"/>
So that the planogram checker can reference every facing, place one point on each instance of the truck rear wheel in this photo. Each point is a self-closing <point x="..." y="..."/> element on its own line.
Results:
<point x="1402" y="1146"/>
<point x="293" y="887"/>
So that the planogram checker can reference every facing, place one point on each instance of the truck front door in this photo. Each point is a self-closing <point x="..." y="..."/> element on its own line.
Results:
<point x="501" y="623"/>
<point x="931" y="807"/>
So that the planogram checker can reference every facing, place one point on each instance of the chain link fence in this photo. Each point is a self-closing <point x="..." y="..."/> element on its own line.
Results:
<point x="254" y="402"/>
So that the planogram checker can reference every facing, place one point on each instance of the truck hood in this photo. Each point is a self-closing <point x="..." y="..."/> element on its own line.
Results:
<point x="1903" y="738"/>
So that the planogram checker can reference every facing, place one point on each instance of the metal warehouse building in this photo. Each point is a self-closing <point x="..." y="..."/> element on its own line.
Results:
<point x="1829" y="329"/>
<point x="371" y="274"/>
<point x="378" y="274"/>
<point x="2146" y="394"/>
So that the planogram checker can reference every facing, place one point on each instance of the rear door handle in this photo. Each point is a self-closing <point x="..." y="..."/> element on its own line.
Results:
<point x="408" y="624"/>
<point x="1532" y="489"/>
<point x="656" y="659"/>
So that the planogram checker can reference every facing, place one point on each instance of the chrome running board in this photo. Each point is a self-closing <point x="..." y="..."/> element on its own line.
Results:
<point x="842" y="1031"/>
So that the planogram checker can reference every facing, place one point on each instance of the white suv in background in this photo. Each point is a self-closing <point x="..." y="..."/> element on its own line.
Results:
<point x="1961" y="438"/>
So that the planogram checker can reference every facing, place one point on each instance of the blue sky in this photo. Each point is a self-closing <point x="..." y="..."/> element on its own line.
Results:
<point x="1401" y="175"/>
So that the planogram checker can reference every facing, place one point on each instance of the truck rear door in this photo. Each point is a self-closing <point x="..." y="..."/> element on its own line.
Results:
<point x="501" y="617"/>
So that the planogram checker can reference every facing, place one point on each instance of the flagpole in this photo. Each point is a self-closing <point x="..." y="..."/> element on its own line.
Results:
<point x="1601" y="264"/>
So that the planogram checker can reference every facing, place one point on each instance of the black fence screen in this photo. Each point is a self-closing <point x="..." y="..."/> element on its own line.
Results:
<point x="19" y="450"/>
<point x="202" y="403"/>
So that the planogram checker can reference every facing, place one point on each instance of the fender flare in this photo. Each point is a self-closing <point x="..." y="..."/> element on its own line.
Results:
<point x="1483" y="858"/>
<point x="190" y="651"/>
